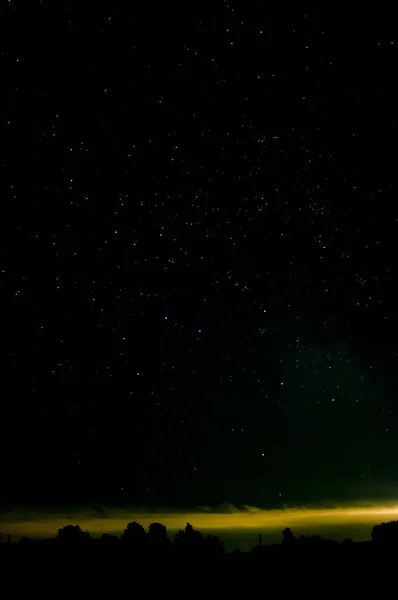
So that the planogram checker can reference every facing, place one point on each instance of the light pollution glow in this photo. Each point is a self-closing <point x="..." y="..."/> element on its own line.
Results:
<point x="226" y="520"/>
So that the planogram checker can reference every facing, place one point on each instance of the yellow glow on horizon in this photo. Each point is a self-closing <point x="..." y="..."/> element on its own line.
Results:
<point x="41" y="525"/>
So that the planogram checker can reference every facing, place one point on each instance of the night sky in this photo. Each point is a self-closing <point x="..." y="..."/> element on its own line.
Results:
<point x="197" y="254"/>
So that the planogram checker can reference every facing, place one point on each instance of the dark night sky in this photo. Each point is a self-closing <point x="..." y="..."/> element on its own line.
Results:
<point x="197" y="254"/>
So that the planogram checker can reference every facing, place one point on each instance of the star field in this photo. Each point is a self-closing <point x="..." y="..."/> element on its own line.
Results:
<point x="197" y="254"/>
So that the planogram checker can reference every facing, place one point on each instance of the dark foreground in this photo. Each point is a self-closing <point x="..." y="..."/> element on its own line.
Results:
<point x="192" y="566"/>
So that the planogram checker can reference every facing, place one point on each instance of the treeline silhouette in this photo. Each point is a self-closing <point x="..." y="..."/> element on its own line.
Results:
<point x="189" y="544"/>
<point x="134" y="540"/>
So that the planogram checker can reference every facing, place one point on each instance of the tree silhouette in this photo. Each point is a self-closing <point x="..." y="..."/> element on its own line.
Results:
<point x="134" y="534"/>
<point x="385" y="533"/>
<point x="188" y="541"/>
<point x="157" y="536"/>
<point x="72" y="534"/>
<point x="288" y="537"/>
<point x="188" y="537"/>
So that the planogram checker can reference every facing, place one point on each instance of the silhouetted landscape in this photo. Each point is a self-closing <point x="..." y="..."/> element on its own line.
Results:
<point x="72" y="543"/>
